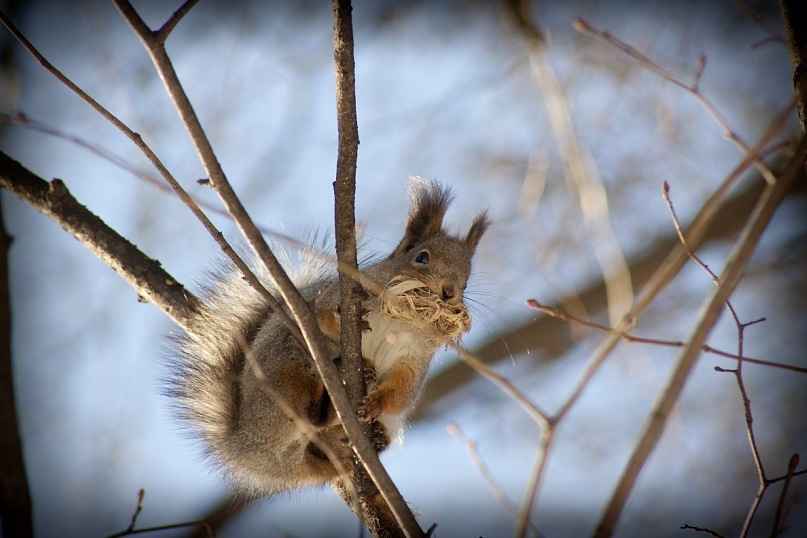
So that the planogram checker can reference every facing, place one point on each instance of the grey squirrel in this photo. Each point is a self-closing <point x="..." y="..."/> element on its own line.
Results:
<point x="230" y="398"/>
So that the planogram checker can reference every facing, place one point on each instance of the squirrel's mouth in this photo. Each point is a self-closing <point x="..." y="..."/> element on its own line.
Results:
<point x="415" y="302"/>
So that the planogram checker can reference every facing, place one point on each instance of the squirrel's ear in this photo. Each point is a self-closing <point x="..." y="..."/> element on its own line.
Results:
<point x="429" y="203"/>
<point x="478" y="227"/>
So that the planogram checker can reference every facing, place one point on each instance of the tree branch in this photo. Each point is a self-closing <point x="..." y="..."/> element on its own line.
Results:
<point x="380" y="517"/>
<point x="145" y="275"/>
<point x="170" y="24"/>
<point x="345" y="198"/>
<point x="794" y="16"/>
<point x="772" y="196"/>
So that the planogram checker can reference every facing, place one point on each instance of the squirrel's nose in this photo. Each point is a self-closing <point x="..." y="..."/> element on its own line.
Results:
<point x="450" y="294"/>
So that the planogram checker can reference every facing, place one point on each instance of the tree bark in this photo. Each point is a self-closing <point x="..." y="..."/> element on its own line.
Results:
<point x="794" y="17"/>
<point x="151" y="282"/>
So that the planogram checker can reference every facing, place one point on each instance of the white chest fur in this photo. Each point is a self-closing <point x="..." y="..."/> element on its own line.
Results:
<point x="390" y="340"/>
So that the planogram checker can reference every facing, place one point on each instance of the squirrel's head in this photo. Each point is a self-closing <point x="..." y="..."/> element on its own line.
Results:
<point x="427" y="251"/>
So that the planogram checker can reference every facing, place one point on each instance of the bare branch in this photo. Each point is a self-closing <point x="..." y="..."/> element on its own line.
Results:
<point x="738" y="259"/>
<point x="703" y="530"/>
<point x="794" y="16"/>
<point x="479" y="463"/>
<point x="544" y="421"/>
<point x="668" y="268"/>
<point x="23" y="120"/>
<point x="540" y="417"/>
<point x="565" y="316"/>
<point x="791" y="469"/>
<point x="581" y="173"/>
<point x="202" y="523"/>
<point x="380" y="518"/>
<point x="737" y="372"/>
<point x="534" y="483"/>
<point x="345" y="198"/>
<point x="585" y="28"/>
<point x="170" y="24"/>
<point x="146" y="276"/>
<point x="658" y="276"/>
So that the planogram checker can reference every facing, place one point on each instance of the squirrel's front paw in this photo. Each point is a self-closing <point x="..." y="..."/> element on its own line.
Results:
<point x="371" y="407"/>
<point x="369" y="372"/>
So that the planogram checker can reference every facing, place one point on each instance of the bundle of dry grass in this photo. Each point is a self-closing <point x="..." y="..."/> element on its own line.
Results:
<point x="413" y="302"/>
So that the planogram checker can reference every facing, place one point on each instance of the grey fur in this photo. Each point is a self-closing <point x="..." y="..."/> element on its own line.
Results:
<point x="262" y="449"/>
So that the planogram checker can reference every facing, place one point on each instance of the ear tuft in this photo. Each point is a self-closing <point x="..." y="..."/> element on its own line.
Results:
<point x="479" y="226"/>
<point x="429" y="202"/>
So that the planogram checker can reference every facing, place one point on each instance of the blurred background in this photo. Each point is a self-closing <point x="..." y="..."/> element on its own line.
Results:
<point x="445" y="90"/>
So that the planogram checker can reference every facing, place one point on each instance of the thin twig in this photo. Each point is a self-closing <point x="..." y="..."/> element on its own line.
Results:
<point x="671" y="265"/>
<point x="306" y="429"/>
<point x="23" y="120"/>
<point x="544" y="421"/>
<point x="539" y="416"/>
<point x="581" y="173"/>
<point x="701" y="529"/>
<point x="791" y="469"/>
<point x="138" y="509"/>
<point x="565" y="316"/>
<point x="712" y="307"/>
<point x="131" y="529"/>
<point x="536" y="477"/>
<point x="753" y="13"/>
<point x="481" y="466"/>
<point x="163" y="33"/>
<point x="585" y="28"/>
<point x="738" y="371"/>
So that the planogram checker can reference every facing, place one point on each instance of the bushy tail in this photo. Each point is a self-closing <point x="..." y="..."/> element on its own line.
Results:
<point x="207" y="360"/>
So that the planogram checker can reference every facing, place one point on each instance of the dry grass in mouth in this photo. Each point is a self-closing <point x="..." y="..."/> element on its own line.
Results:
<point x="413" y="302"/>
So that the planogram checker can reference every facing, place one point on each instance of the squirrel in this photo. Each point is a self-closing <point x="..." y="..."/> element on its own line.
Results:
<point x="264" y="416"/>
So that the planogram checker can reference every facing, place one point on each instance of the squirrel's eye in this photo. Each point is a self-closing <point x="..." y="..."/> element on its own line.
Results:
<point x="423" y="258"/>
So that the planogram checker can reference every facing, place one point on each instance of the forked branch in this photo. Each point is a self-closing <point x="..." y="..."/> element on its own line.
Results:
<point x="710" y="312"/>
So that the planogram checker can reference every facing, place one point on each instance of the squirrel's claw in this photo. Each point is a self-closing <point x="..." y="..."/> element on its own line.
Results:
<point x="365" y="324"/>
<point x="370" y="408"/>
<point x="369" y="372"/>
<point x="380" y="437"/>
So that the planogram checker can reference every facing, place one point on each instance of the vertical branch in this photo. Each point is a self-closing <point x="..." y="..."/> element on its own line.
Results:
<point x="384" y="512"/>
<point x="15" y="501"/>
<point x="345" y="197"/>
<point x="794" y="16"/>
